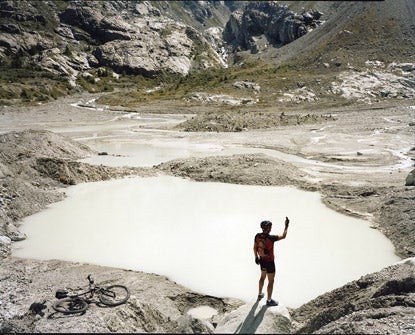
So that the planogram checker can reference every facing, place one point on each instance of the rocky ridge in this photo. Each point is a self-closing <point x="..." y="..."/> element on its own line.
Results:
<point x="236" y="121"/>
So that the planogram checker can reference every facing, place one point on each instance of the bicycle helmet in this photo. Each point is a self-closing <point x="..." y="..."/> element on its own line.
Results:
<point x="265" y="224"/>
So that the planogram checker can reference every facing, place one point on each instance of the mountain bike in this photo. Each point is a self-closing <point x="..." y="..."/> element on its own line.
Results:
<point x="113" y="295"/>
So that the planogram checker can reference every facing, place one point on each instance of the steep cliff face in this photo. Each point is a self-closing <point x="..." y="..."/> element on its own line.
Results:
<point x="134" y="37"/>
<point x="275" y="22"/>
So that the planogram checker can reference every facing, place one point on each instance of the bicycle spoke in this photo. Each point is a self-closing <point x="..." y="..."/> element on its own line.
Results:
<point x="70" y="306"/>
<point x="114" y="295"/>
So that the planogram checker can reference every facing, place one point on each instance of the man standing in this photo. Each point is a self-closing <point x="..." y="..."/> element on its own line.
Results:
<point x="264" y="256"/>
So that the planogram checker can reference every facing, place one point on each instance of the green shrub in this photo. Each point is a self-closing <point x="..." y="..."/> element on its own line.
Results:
<point x="26" y="94"/>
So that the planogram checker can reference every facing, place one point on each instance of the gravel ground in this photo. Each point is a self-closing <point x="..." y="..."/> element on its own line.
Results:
<point x="358" y="159"/>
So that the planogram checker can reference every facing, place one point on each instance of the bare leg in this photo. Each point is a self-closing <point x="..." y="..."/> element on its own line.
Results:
<point x="270" y="287"/>
<point x="261" y="281"/>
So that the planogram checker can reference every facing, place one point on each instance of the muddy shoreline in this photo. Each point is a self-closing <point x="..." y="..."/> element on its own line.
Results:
<point x="357" y="172"/>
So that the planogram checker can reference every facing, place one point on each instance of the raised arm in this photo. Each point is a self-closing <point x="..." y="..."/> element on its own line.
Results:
<point x="284" y="234"/>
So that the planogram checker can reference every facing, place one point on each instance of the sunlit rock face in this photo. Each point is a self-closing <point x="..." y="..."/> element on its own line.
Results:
<point x="141" y="37"/>
<point x="131" y="37"/>
<point x="136" y="38"/>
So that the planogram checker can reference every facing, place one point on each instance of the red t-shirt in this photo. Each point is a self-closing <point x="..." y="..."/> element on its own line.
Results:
<point x="266" y="241"/>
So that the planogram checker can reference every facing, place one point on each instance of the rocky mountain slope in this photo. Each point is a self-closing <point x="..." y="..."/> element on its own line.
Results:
<point x="311" y="50"/>
<point x="136" y="37"/>
<point x="348" y="32"/>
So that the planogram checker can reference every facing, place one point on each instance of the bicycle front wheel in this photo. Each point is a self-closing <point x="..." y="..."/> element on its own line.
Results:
<point x="114" y="295"/>
<point x="70" y="306"/>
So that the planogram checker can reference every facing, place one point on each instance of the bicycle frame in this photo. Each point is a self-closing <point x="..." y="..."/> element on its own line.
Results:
<point x="92" y="289"/>
<point x="112" y="295"/>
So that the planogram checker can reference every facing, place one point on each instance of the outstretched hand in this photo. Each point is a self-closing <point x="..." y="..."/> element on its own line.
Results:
<point x="287" y="222"/>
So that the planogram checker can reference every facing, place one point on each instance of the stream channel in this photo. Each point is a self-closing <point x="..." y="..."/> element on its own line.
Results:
<point x="198" y="234"/>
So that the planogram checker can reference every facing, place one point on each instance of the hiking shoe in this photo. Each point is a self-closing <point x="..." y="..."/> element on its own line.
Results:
<point x="272" y="302"/>
<point x="260" y="296"/>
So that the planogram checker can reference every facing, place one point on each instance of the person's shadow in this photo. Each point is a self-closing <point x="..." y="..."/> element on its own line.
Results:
<point x="252" y="321"/>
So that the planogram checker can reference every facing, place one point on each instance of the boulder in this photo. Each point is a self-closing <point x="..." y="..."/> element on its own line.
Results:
<point x="14" y="234"/>
<point x="4" y="171"/>
<point x="410" y="179"/>
<point x="190" y="325"/>
<point x="247" y="85"/>
<point x="255" y="319"/>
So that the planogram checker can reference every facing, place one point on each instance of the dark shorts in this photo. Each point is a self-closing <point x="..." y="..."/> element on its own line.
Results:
<point x="268" y="266"/>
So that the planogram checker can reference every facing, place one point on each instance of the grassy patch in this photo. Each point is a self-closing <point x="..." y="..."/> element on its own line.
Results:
<point x="273" y="80"/>
<point x="29" y="84"/>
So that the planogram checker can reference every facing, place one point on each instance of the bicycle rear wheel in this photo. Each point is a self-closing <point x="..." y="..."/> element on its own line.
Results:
<point x="114" y="295"/>
<point x="70" y="305"/>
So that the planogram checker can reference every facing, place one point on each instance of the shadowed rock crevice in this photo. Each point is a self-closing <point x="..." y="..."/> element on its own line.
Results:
<point x="276" y="22"/>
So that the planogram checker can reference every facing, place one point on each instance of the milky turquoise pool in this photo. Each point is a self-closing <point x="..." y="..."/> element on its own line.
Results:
<point x="201" y="235"/>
